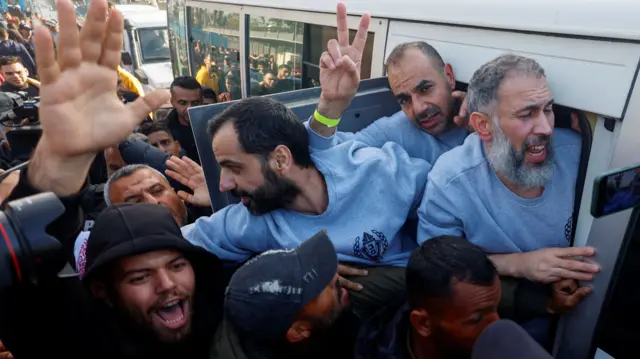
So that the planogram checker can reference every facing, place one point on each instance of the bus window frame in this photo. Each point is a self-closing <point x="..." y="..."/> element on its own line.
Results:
<point x="576" y="338"/>
<point x="378" y="27"/>
<point x="175" y="63"/>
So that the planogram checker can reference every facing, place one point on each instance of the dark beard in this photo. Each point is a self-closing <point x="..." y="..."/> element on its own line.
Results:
<point x="275" y="193"/>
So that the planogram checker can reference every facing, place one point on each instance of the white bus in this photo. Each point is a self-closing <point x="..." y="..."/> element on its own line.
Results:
<point x="589" y="49"/>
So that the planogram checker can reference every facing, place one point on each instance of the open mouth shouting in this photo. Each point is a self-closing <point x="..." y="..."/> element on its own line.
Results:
<point x="536" y="154"/>
<point x="172" y="314"/>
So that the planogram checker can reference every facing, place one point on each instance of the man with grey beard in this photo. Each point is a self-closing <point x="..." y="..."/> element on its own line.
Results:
<point x="510" y="187"/>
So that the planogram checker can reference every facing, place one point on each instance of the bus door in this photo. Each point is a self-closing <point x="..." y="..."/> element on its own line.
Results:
<point x="604" y="325"/>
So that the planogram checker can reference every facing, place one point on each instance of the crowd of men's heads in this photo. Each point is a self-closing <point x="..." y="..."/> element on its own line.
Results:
<point x="262" y="147"/>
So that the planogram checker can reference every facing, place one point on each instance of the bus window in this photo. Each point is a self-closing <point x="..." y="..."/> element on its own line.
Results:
<point x="284" y="55"/>
<point x="618" y="328"/>
<point x="214" y="48"/>
<point x="178" y="39"/>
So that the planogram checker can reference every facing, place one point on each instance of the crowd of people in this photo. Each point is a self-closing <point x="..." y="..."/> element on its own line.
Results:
<point x="438" y="232"/>
<point x="219" y="71"/>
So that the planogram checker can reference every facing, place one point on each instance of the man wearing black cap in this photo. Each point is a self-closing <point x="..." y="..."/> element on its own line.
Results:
<point x="287" y="304"/>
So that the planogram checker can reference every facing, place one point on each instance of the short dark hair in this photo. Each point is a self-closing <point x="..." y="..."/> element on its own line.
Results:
<point x="441" y="261"/>
<point x="283" y="66"/>
<point x="209" y="93"/>
<point x="9" y="60"/>
<point x="186" y="82"/>
<point x="153" y="127"/>
<point x="429" y="51"/>
<point x="262" y="124"/>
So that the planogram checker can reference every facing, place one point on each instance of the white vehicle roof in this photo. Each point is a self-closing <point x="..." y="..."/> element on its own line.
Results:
<point x="148" y="17"/>
<point x="135" y="8"/>
<point x="593" y="18"/>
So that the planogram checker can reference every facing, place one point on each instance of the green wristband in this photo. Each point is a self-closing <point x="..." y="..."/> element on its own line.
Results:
<point x="325" y="121"/>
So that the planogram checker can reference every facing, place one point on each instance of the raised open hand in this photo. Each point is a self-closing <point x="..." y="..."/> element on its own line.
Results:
<point x="79" y="110"/>
<point x="340" y="65"/>
<point x="190" y="174"/>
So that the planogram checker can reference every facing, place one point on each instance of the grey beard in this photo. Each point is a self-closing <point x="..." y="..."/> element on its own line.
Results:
<point x="510" y="163"/>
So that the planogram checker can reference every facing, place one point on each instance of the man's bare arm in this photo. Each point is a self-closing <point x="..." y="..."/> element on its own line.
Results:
<point x="507" y="264"/>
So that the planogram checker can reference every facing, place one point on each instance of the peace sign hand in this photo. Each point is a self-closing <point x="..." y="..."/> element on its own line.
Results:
<point x="80" y="111"/>
<point x="340" y="66"/>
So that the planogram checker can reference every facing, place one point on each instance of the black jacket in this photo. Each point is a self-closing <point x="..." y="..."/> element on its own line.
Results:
<point x="384" y="335"/>
<point x="60" y="315"/>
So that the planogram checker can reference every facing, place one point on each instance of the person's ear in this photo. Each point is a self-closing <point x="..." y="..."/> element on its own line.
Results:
<point x="281" y="159"/>
<point x="482" y="124"/>
<point x="299" y="331"/>
<point x="421" y="322"/>
<point x="100" y="291"/>
<point x="449" y="75"/>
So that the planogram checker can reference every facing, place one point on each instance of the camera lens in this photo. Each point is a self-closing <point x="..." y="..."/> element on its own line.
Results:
<point x="10" y="254"/>
<point x="26" y="250"/>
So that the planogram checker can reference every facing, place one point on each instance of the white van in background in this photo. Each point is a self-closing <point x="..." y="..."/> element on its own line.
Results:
<point x="145" y="47"/>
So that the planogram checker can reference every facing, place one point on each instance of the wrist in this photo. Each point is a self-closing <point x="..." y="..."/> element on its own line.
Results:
<point x="64" y="176"/>
<point x="332" y="109"/>
<point x="508" y="264"/>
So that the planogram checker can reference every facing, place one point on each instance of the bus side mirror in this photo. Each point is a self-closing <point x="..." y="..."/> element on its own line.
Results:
<point x="126" y="59"/>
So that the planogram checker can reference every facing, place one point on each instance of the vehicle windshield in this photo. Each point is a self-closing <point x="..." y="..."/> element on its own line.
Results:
<point x="154" y="45"/>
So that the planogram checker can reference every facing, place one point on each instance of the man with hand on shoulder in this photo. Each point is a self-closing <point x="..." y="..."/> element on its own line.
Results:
<point x="433" y="116"/>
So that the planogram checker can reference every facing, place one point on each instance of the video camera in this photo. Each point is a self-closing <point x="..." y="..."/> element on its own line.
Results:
<point x="19" y="117"/>
<point x="17" y="109"/>
<point x="27" y="252"/>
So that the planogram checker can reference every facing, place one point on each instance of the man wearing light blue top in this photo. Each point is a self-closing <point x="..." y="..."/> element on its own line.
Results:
<point x="421" y="82"/>
<point x="510" y="187"/>
<point x="361" y="195"/>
